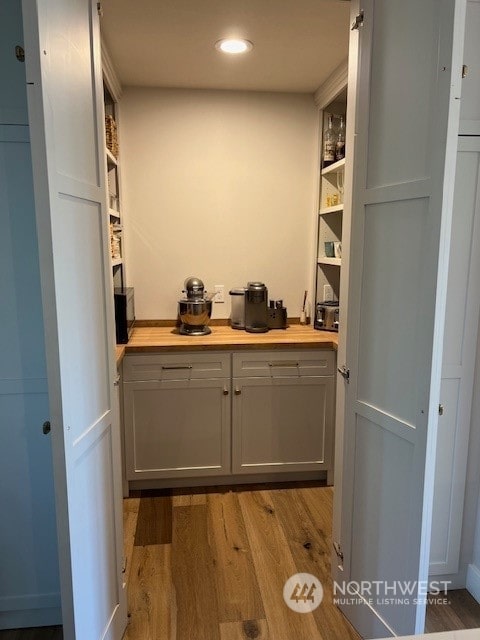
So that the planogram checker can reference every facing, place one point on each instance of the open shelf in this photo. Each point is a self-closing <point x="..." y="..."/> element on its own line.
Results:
<point x="116" y="262"/>
<point x="334" y="262"/>
<point x="112" y="161"/>
<point x="325" y="210"/>
<point x="114" y="214"/>
<point x="334" y="168"/>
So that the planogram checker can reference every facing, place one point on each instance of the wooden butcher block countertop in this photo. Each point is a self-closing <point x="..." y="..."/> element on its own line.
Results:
<point x="157" y="339"/>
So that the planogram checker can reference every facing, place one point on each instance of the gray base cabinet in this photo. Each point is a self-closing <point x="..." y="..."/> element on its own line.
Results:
<point x="177" y="420"/>
<point x="281" y="424"/>
<point x="183" y="421"/>
<point x="283" y="415"/>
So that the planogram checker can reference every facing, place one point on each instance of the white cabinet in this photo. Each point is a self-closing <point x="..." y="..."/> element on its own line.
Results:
<point x="461" y="324"/>
<point x="458" y="366"/>
<point x="177" y="416"/>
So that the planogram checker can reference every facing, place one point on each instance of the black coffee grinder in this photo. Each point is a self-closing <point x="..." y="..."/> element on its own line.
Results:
<point x="256" y="311"/>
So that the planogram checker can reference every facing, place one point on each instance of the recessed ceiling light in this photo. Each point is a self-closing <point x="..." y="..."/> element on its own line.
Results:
<point x="234" y="45"/>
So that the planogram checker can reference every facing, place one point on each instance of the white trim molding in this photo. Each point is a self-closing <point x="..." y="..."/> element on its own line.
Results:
<point x="31" y="610"/>
<point x="110" y="75"/>
<point x="473" y="581"/>
<point x="336" y="82"/>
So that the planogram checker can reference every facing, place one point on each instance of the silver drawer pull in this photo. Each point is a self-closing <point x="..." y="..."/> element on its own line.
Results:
<point x="176" y="367"/>
<point x="286" y="363"/>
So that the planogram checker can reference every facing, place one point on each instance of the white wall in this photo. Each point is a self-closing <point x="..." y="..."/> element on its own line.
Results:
<point x="221" y="185"/>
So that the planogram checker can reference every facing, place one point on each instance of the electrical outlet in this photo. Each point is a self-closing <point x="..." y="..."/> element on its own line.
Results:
<point x="327" y="293"/>
<point x="219" y="293"/>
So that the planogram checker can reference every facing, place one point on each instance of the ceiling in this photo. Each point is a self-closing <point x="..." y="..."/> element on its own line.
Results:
<point x="170" y="43"/>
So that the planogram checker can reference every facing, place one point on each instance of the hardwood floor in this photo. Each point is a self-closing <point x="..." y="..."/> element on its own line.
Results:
<point x="463" y="612"/>
<point x="210" y="564"/>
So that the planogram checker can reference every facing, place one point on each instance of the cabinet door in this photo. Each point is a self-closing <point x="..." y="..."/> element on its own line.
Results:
<point x="177" y="429"/>
<point x="282" y="424"/>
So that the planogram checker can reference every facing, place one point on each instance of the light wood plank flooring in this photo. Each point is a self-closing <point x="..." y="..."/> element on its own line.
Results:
<point x="210" y="564"/>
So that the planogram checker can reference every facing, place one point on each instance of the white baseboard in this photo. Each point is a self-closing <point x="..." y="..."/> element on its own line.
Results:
<point x="473" y="581"/>
<point x="33" y="610"/>
<point x="30" y="618"/>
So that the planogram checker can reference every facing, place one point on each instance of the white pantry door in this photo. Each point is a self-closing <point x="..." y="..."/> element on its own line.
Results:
<point x="64" y="79"/>
<point x="407" y="58"/>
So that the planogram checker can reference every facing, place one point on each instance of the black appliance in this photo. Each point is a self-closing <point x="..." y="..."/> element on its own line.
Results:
<point x="124" y="313"/>
<point x="256" y="315"/>
<point x="277" y="315"/>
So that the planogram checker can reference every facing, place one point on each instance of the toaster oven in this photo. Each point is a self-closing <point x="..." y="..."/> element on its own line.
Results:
<point x="326" y="316"/>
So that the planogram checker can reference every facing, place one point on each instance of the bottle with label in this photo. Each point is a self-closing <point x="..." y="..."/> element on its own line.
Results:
<point x="340" y="143"/>
<point x="329" y="143"/>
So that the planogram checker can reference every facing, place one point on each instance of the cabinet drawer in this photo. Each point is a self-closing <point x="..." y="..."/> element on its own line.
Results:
<point x="191" y="366"/>
<point x="260" y="364"/>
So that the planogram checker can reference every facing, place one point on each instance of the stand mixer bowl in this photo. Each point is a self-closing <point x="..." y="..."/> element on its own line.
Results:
<point x="195" y="309"/>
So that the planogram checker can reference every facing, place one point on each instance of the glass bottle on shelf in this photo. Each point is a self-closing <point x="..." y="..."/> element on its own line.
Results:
<point x="340" y="142"/>
<point x="329" y="143"/>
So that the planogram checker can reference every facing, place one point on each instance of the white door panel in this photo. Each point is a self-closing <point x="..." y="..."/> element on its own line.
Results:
<point x="402" y="92"/>
<point x="74" y="125"/>
<point x="458" y="367"/>
<point x="65" y="108"/>
<point x="389" y="305"/>
<point x="406" y="123"/>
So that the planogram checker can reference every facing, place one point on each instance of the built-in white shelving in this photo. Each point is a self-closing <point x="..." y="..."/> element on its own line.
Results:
<point x="111" y="160"/>
<point x="326" y="210"/>
<point x="334" y="262"/>
<point x="336" y="167"/>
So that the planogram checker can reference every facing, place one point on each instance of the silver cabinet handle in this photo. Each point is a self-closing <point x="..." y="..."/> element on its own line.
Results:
<point x="176" y="367"/>
<point x="286" y="363"/>
<point x="237" y="391"/>
<point x="225" y="391"/>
